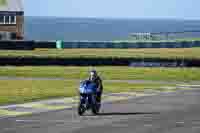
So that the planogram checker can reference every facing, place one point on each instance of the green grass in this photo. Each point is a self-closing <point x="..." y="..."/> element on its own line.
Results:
<point x="107" y="73"/>
<point x="164" y="53"/>
<point x="3" y="2"/>
<point x="20" y="91"/>
<point x="15" y="91"/>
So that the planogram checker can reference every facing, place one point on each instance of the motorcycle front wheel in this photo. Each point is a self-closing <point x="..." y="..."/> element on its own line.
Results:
<point x="81" y="110"/>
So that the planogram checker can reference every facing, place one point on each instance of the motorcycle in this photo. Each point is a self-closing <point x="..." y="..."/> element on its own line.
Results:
<point x="87" y="91"/>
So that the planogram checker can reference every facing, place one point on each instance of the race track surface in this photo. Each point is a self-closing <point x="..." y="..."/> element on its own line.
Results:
<point x="177" y="112"/>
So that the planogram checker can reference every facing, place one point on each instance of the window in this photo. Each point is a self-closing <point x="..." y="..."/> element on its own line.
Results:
<point x="13" y="35"/>
<point x="7" y="20"/>
<point x="12" y="19"/>
<point x="1" y="19"/>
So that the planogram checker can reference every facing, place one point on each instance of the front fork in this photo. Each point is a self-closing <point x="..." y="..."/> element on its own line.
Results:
<point x="88" y="101"/>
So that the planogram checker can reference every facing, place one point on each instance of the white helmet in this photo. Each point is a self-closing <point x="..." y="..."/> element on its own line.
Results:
<point x="93" y="74"/>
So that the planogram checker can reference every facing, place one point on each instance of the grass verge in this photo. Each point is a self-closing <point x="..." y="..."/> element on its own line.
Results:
<point x="157" y="53"/>
<point x="15" y="91"/>
<point x="107" y="73"/>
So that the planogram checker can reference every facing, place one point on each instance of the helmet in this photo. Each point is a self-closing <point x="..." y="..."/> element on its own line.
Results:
<point x="93" y="74"/>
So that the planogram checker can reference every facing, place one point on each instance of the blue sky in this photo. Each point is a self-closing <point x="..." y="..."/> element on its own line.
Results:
<point x="178" y="9"/>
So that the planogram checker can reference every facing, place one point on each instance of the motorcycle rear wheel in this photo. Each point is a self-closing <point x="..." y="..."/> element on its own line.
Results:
<point x="95" y="109"/>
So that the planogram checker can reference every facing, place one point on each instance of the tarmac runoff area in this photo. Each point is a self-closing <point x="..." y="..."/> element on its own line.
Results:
<point x="158" y="112"/>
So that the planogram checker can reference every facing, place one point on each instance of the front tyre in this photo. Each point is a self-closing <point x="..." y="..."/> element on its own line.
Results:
<point x="81" y="110"/>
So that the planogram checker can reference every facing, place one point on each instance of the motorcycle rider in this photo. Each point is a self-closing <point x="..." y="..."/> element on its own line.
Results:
<point x="94" y="77"/>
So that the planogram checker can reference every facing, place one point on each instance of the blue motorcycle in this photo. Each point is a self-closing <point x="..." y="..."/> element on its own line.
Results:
<point x="88" y="91"/>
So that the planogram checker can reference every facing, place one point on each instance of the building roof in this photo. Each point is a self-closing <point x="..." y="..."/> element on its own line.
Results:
<point x="12" y="6"/>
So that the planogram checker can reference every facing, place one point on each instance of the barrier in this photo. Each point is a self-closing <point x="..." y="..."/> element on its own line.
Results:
<point x="30" y="45"/>
<point x="134" y="62"/>
<point x="183" y="44"/>
<point x="17" y="45"/>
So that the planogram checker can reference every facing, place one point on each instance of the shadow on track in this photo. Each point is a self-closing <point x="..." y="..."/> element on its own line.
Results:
<point x="126" y="113"/>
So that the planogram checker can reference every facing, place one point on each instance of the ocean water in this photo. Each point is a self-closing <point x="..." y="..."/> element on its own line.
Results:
<point x="91" y="29"/>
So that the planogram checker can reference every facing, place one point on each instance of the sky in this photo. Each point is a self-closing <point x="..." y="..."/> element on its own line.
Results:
<point x="177" y="9"/>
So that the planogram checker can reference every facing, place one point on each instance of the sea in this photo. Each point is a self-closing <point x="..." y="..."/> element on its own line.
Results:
<point x="103" y="29"/>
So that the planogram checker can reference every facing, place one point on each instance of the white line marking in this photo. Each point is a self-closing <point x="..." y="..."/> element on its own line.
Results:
<point x="180" y="122"/>
<point x="189" y="85"/>
<point x="148" y="125"/>
<point x="40" y="121"/>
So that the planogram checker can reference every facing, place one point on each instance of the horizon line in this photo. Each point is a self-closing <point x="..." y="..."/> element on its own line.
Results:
<point x="119" y="18"/>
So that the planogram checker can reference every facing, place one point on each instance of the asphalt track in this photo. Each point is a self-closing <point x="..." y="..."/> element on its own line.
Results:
<point x="177" y="112"/>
